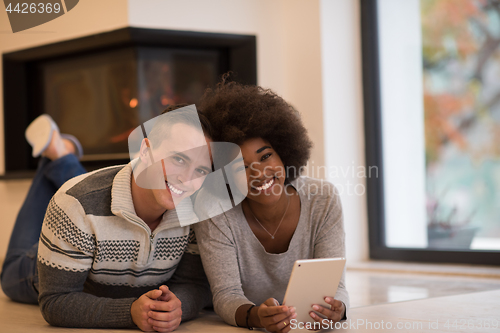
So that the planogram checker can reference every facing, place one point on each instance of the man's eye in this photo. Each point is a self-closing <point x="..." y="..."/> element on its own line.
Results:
<point x="178" y="159"/>
<point x="202" y="172"/>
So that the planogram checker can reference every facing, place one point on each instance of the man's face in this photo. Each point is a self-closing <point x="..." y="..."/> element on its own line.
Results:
<point x="181" y="163"/>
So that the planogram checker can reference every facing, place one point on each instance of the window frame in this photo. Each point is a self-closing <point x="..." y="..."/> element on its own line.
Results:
<point x="374" y="156"/>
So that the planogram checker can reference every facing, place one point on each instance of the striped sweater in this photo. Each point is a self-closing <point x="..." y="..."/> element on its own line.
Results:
<point x="96" y="256"/>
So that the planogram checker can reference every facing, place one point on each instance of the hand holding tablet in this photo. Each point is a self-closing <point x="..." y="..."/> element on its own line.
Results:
<point x="333" y="312"/>
<point x="275" y="317"/>
<point x="311" y="288"/>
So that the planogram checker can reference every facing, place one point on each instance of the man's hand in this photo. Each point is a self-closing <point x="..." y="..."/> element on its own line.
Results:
<point x="167" y="313"/>
<point x="274" y="317"/>
<point x="140" y="308"/>
<point x="335" y="313"/>
<point x="157" y="310"/>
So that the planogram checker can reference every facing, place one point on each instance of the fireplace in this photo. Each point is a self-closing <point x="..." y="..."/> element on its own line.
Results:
<point x="100" y="87"/>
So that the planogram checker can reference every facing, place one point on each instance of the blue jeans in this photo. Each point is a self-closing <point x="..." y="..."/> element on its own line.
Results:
<point x="19" y="275"/>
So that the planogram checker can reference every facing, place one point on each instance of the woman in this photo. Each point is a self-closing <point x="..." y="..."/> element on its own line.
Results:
<point x="248" y="252"/>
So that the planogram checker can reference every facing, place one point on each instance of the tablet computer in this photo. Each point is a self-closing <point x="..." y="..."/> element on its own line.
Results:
<point x="311" y="280"/>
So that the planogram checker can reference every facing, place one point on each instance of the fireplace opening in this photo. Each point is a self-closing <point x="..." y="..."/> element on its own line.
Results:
<point x="99" y="88"/>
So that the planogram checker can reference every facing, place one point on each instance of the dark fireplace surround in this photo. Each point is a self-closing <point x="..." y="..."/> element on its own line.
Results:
<point x="25" y="95"/>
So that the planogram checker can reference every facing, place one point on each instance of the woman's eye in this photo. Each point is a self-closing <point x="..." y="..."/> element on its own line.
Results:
<point x="266" y="156"/>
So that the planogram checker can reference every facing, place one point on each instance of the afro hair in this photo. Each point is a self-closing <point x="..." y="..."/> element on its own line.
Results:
<point x="239" y="112"/>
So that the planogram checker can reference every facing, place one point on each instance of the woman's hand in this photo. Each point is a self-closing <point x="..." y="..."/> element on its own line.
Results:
<point x="335" y="313"/>
<point x="275" y="317"/>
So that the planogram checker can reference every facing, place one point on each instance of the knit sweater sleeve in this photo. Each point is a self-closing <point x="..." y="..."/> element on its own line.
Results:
<point x="65" y="256"/>
<point x="220" y="260"/>
<point x="330" y="237"/>
<point x="189" y="282"/>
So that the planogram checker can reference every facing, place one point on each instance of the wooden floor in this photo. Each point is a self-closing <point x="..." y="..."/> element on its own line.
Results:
<point x="411" y="297"/>
<point x="24" y="318"/>
<point x="470" y="312"/>
<point x="473" y="313"/>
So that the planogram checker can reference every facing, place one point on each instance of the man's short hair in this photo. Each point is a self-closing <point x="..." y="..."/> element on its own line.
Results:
<point x="161" y="129"/>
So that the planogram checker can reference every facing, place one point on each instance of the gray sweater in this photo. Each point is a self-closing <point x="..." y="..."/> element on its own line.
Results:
<point x="239" y="269"/>
<point x="96" y="256"/>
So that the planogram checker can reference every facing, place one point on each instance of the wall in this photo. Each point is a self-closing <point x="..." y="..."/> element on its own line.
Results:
<point x="343" y="117"/>
<point x="288" y="43"/>
<point x="88" y="17"/>
<point x="302" y="76"/>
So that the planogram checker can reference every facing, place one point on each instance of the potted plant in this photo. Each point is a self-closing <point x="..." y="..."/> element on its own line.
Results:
<point x="449" y="232"/>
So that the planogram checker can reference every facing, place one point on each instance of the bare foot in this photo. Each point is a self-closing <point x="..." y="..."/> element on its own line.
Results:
<point x="57" y="148"/>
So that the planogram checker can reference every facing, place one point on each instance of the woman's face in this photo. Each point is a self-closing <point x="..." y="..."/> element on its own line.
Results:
<point x="264" y="170"/>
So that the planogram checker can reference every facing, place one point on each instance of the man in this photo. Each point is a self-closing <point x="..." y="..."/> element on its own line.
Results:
<point x="111" y="239"/>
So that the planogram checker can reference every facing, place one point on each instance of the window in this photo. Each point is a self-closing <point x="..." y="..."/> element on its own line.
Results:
<point x="432" y="121"/>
